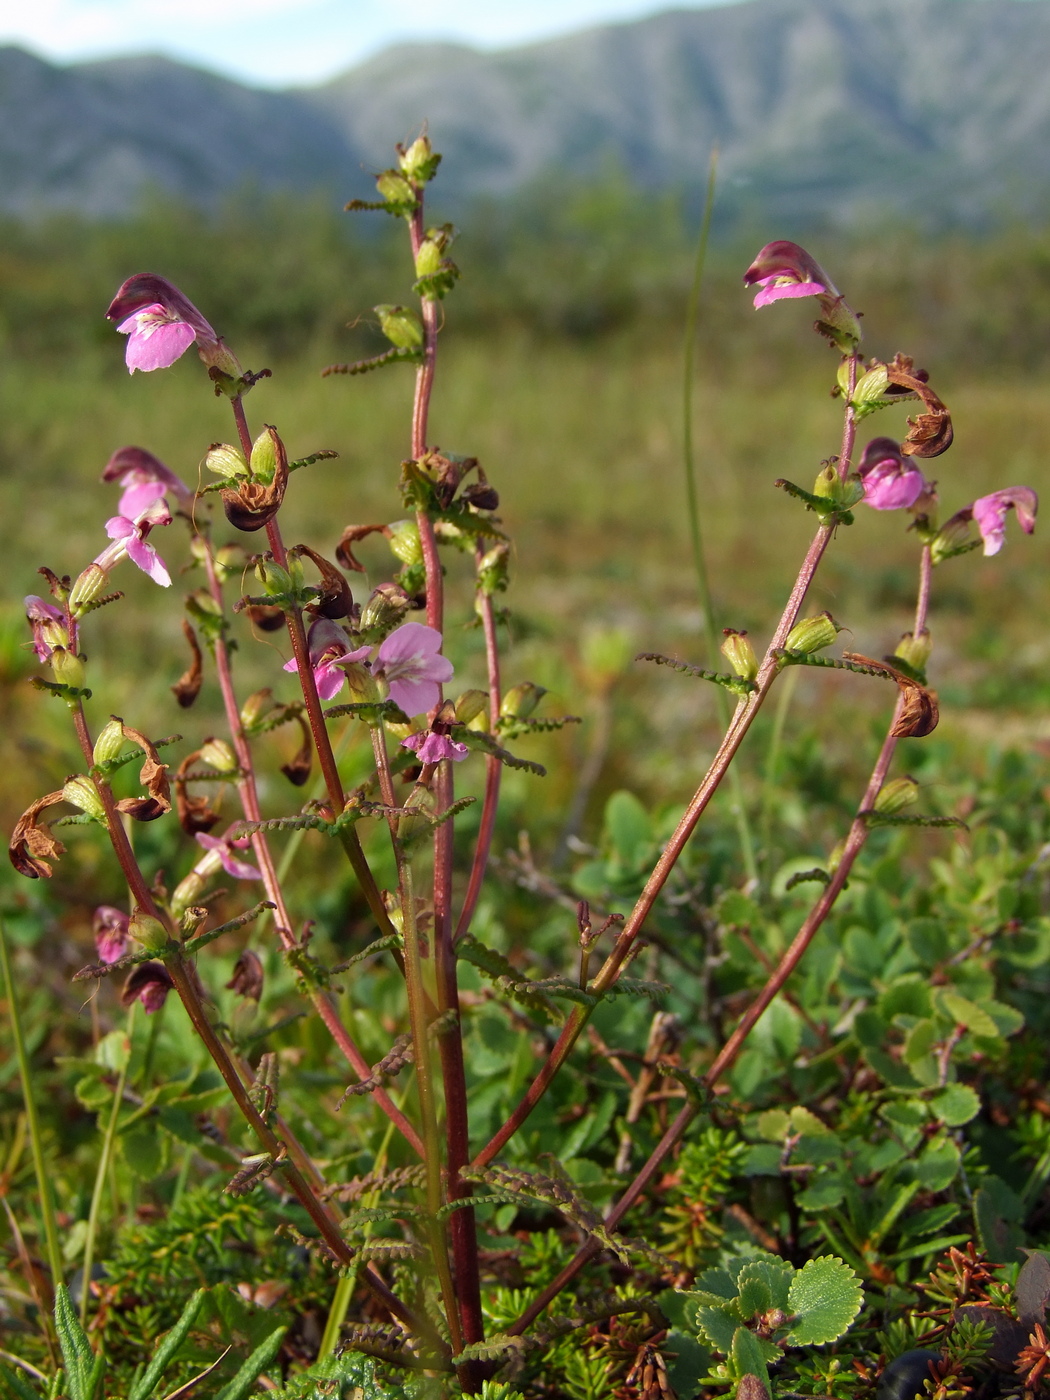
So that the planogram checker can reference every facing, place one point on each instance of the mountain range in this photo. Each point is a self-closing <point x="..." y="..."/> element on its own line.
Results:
<point x="821" y="109"/>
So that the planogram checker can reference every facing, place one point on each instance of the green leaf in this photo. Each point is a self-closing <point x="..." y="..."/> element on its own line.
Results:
<point x="826" y="1295"/>
<point x="773" y="1125"/>
<point x="967" y="1013"/>
<point x="249" y="1373"/>
<point x="629" y="827"/>
<point x="13" y="1387"/>
<point x="720" y="1282"/>
<point x="998" y="1212"/>
<point x="143" y="1150"/>
<point x="83" y="1368"/>
<point x="774" y="1273"/>
<point x="144" y="1386"/>
<point x="719" y="1326"/>
<point x="956" y="1104"/>
<point x="750" y="1356"/>
<point x="938" y="1166"/>
<point x="113" y="1052"/>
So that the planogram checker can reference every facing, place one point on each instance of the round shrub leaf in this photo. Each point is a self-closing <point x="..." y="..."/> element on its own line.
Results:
<point x="956" y="1104"/>
<point x="825" y="1294"/>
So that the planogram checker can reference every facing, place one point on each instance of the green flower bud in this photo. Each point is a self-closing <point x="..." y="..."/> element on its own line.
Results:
<point x="895" y="796"/>
<point x="428" y="258"/>
<point x="148" y="931"/>
<point x="839" y="494"/>
<point x="493" y="569"/>
<point x="396" y="190"/>
<point x="88" y="589"/>
<point x="812" y="634"/>
<point x="520" y="701"/>
<point x="740" y="654"/>
<point x="420" y="161"/>
<point x="362" y="684"/>
<point x="228" y="560"/>
<point x="82" y="793"/>
<point x="68" y="667"/>
<point x="273" y="578"/>
<point x="255" y="707"/>
<point x="188" y="892"/>
<point x="226" y="461"/>
<point x="384" y="609"/>
<point x="405" y="542"/>
<point x="218" y="754"/>
<point x="263" y="461"/>
<point x="401" y="326"/>
<point x="109" y="742"/>
<point x="420" y="801"/>
<point x="915" y="650"/>
<point x="471" y="704"/>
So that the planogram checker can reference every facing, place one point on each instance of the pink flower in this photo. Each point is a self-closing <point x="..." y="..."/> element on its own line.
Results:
<point x="410" y="662"/>
<point x="149" y="983"/>
<point x="329" y="654"/>
<point x="129" y="537"/>
<point x="134" y="467"/>
<point x="49" y="626"/>
<point x="891" y="480"/>
<point x="783" y="269"/>
<point x="160" y="322"/>
<point x="432" y="746"/>
<point x="989" y="514"/>
<point x="110" y="927"/>
<point x="221" y="845"/>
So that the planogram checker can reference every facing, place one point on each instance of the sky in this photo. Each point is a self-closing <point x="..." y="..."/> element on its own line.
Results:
<point x="282" y="42"/>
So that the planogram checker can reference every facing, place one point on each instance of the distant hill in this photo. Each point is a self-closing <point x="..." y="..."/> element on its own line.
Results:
<point x="937" y="109"/>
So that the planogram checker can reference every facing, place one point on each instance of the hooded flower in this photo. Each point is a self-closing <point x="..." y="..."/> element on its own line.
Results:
<point x="110" y="927"/>
<point x="149" y="983"/>
<point x="329" y="656"/>
<point x="222" y="848"/>
<point x="160" y="322"/>
<point x="129" y="536"/>
<point x="783" y="269"/>
<point x="891" y="480"/>
<point x="49" y="627"/>
<point x="134" y="468"/>
<point x="989" y="514"/>
<point x="410" y="662"/>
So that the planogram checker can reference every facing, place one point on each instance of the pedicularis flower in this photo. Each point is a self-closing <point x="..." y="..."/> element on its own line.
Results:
<point x="49" y="627"/>
<point x="161" y="324"/>
<point x="409" y="661"/>
<point x="222" y="848"/>
<point x="111" y="933"/>
<point x="989" y="514"/>
<point x="129" y="533"/>
<point x="133" y="468"/>
<point x="891" y="480"/>
<point x="783" y="269"/>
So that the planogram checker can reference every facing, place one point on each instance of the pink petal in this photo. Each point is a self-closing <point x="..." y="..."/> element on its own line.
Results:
<point x="414" y="696"/>
<point x="149" y="561"/>
<point x="886" y="487"/>
<point x="138" y="498"/>
<point x="119" y="527"/>
<point x="157" y="345"/>
<point x="329" y="680"/>
<point x="409" y="640"/>
<point x="772" y="292"/>
<point x="432" y="748"/>
<point x="239" y="869"/>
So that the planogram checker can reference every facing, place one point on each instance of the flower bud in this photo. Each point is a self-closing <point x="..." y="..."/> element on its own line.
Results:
<point x="273" y="578"/>
<point x="384" y="609"/>
<point x="227" y="461"/>
<point x="520" y="701"/>
<point x="812" y="634"/>
<point x="915" y="650"/>
<point x="361" y="684"/>
<point x="263" y="464"/>
<point x="419" y="162"/>
<point x="109" y="742"/>
<point x="68" y="667"/>
<point x="895" y="796"/>
<point x="88" y="589"/>
<point x="229" y="559"/>
<point x="82" y="793"/>
<point x="838" y="493"/>
<point x="420" y="801"/>
<point x="255" y="707"/>
<point x="428" y="258"/>
<point x="396" y="190"/>
<point x="493" y="567"/>
<point x="401" y="326"/>
<point x="405" y="542"/>
<point x="740" y="654"/>
<point x="218" y="754"/>
<point x="471" y="704"/>
<point x="148" y="931"/>
<point x="187" y="892"/>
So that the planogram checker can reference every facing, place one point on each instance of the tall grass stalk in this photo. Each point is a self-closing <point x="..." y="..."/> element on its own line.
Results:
<point x="703" y="586"/>
<point x="43" y="1181"/>
<point x="100" y="1177"/>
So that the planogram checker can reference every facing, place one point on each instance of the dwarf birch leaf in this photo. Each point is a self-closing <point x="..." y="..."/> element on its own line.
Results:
<point x="826" y="1295"/>
<point x="775" y="1274"/>
<point x="956" y="1104"/>
<point x="750" y="1356"/>
<point x="719" y="1326"/>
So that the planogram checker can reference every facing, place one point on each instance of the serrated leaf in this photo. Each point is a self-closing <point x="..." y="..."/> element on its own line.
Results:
<point x="719" y="1326"/>
<point x="775" y="1274"/>
<point x="113" y="1051"/>
<point x="751" y="1356"/>
<point x="956" y="1104"/>
<point x="773" y="1125"/>
<point x="826" y="1296"/>
<point x="968" y="1014"/>
<point x="719" y="1282"/>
